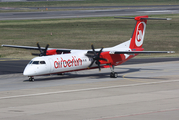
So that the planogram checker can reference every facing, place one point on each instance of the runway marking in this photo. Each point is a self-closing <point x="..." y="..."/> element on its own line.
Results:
<point x="87" y="89"/>
<point x="136" y="114"/>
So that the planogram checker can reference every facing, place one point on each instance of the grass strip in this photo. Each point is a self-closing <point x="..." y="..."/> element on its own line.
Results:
<point x="79" y="33"/>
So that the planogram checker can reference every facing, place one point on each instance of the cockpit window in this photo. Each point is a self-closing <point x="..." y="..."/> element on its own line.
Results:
<point x="35" y="62"/>
<point x="30" y="62"/>
<point x="42" y="62"/>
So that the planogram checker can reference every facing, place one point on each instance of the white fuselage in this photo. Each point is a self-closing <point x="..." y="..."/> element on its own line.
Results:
<point x="57" y="64"/>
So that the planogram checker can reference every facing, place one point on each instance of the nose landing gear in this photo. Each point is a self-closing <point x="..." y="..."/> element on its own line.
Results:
<point x="31" y="78"/>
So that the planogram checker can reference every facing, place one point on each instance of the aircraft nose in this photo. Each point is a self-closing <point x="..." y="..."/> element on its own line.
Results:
<point x="28" y="71"/>
<point x="25" y="72"/>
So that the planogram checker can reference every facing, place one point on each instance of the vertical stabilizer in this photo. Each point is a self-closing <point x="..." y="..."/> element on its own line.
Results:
<point x="139" y="32"/>
<point x="137" y="38"/>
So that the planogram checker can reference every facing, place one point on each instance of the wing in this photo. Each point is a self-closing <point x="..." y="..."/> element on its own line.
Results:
<point x="22" y="47"/>
<point x="58" y="50"/>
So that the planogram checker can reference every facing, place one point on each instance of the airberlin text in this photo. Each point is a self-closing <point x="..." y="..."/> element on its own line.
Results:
<point x="61" y="63"/>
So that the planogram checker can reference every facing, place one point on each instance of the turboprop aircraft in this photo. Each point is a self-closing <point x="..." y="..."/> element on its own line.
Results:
<point x="58" y="61"/>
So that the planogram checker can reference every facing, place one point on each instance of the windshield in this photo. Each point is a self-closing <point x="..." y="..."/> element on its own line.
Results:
<point x="37" y="62"/>
<point x="30" y="62"/>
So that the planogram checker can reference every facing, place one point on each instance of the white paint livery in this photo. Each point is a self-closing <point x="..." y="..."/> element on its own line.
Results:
<point x="140" y="34"/>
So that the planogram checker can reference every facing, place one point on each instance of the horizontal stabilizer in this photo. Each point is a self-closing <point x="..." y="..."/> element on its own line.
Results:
<point x="139" y="52"/>
<point x="143" y="18"/>
<point x="131" y="52"/>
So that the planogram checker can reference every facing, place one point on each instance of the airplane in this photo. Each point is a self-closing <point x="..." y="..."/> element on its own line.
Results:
<point x="59" y="61"/>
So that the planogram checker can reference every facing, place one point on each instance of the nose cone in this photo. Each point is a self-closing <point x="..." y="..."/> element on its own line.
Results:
<point x="25" y="72"/>
<point x="28" y="71"/>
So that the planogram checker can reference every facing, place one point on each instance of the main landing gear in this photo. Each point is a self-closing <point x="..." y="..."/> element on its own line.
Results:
<point x="31" y="78"/>
<point x="113" y="74"/>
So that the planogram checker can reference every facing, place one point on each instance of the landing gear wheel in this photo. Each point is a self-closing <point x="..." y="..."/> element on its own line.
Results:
<point x="113" y="75"/>
<point x="31" y="79"/>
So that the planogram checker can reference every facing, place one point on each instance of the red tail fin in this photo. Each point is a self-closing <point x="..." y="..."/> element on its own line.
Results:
<point x="139" y="32"/>
<point x="137" y="38"/>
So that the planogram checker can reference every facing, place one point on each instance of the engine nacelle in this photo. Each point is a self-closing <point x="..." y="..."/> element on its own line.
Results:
<point x="112" y="59"/>
<point x="51" y="52"/>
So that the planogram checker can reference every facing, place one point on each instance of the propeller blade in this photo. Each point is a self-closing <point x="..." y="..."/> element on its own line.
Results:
<point x="45" y="51"/>
<point x="93" y="49"/>
<point x="91" y="63"/>
<point x="98" y="63"/>
<point x="100" y="52"/>
<point x="41" y="52"/>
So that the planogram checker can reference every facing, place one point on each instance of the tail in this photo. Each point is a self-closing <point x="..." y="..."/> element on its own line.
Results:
<point x="137" y="37"/>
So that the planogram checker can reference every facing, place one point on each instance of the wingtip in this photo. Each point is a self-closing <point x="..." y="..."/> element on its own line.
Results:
<point x="171" y="52"/>
<point x="169" y="18"/>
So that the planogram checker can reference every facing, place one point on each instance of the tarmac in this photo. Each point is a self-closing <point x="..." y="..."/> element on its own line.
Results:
<point x="142" y="91"/>
<point x="113" y="11"/>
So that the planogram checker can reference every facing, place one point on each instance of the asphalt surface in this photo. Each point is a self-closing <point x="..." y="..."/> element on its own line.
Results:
<point x="151" y="10"/>
<point x="141" y="92"/>
<point x="17" y="66"/>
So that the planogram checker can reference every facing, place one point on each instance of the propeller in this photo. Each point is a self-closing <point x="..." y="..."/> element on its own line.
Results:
<point x="42" y="52"/>
<point x="96" y="57"/>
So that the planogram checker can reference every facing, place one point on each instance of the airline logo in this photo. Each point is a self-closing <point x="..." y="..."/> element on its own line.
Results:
<point x="140" y="34"/>
<point x="61" y="63"/>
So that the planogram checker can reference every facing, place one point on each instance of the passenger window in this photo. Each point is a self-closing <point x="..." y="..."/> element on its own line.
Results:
<point x="35" y="62"/>
<point x="42" y="62"/>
